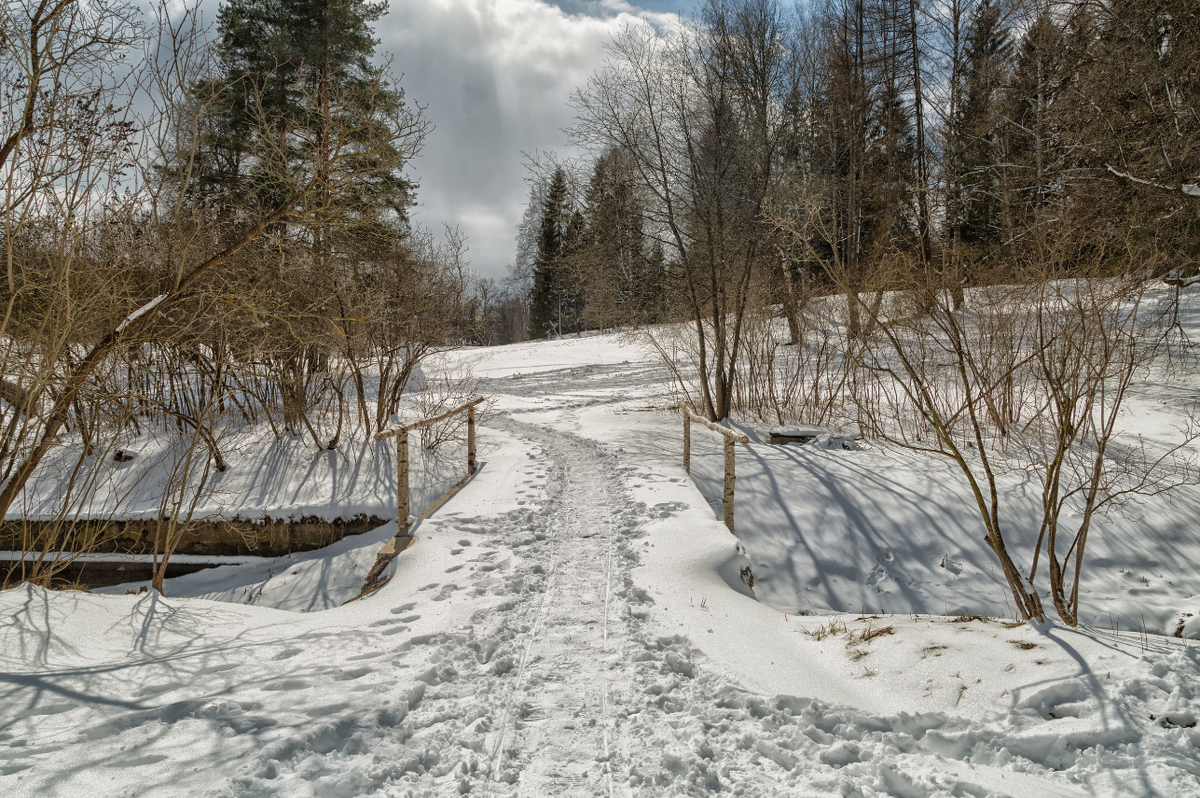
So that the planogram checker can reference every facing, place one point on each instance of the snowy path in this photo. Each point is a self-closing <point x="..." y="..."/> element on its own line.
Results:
<point x="555" y="733"/>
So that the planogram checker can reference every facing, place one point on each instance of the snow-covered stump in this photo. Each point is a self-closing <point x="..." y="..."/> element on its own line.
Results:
<point x="731" y="438"/>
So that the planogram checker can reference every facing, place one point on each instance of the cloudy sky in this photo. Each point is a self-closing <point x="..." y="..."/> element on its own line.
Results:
<point x="495" y="77"/>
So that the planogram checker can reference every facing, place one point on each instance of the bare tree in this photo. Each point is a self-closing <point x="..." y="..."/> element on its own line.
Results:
<point x="307" y="194"/>
<point x="1027" y="377"/>
<point x="698" y="112"/>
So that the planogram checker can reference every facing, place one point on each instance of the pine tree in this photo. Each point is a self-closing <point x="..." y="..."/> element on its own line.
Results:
<point x="304" y="113"/>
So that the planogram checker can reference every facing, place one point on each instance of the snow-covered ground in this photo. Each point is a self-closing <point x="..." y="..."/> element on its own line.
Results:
<point x="880" y="529"/>
<point x="575" y="622"/>
<point x="267" y="476"/>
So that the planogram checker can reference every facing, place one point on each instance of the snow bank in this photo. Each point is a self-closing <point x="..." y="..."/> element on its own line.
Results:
<point x="881" y="530"/>
<point x="280" y="478"/>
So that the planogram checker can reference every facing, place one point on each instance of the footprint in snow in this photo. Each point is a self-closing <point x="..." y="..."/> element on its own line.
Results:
<point x="285" y="685"/>
<point x="287" y="653"/>
<point x="386" y="622"/>
<point x="484" y="650"/>
<point x="228" y="666"/>
<point x="667" y="509"/>
<point x="403" y="608"/>
<point x="419" y="640"/>
<point x="138" y="761"/>
<point x="351" y="675"/>
<point x="49" y="709"/>
<point x="158" y="689"/>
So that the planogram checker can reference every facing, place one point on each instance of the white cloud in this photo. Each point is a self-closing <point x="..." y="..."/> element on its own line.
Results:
<point x="496" y="77"/>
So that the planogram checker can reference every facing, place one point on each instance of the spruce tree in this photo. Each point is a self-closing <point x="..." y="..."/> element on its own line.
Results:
<point x="1134" y="125"/>
<point x="545" y="315"/>
<point x="569" y="284"/>
<point x="620" y="283"/>
<point x="889" y="160"/>
<point x="296" y="75"/>
<point x="652" y="302"/>
<point x="1034" y="145"/>
<point x="979" y="127"/>
<point x="843" y="109"/>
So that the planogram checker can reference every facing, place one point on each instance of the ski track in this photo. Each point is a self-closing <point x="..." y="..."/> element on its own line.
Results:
<point x="521" y="700"/>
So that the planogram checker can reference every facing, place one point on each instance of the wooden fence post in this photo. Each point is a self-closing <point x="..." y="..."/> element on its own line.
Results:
<point x="403" y="506"/>
<point x="687" y="442"/>
<point x="471" y="439"/>
<point x="727" y="495"/>
<point x="402" y="497"/>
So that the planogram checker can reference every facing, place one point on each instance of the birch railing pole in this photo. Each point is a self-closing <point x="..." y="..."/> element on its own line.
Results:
<point x="403" y="506"/>
<point x="471" y="439"/>
<point x="687" y="443"/>
<point x="402" y="497"/>
<point x="375" y="578"/>
<point x="727" y="495"/>
<point x="731" y="438"/>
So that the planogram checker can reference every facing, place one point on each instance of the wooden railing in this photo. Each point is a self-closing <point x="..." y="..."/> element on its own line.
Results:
<point x="731" y="438"/>
<point x="403" y="538"/>
<point x="401" y="435"/>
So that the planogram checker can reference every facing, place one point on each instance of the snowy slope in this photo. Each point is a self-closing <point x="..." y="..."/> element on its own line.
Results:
<point x="574" y="622"/>
<point x="267" y="476"/>
<point x="870" y="527"/>
<point x="883" y="530"/>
